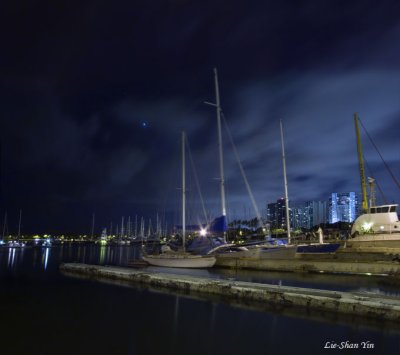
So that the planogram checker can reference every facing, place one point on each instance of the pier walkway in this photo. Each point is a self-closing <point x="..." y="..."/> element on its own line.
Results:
<point x="370" y="306"/>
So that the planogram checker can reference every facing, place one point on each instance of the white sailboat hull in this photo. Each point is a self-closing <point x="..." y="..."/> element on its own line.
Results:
<point x="180" y="260"/>
<point x="264" y="252"/>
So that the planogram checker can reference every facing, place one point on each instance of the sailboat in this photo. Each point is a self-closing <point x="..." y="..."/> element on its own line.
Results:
<point x="181" y="258"/>
<point x="4" y="229"/>
<point x="283" y="251"/>
<point x="17" y="243"/>
<point x="313" y="248"/>
<point x="211" y="238"/>
<point x="289" y="250"/>
<point x="269" y="248"/>
<point x="377" y="226"/>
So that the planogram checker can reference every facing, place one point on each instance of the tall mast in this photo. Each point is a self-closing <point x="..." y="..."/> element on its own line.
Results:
<point x="221" y="156"/>
<point x="217" y="105"/>
<point x="361" y="166"/>
<point x="286" y="185"/>
<point x="183" y="192"/>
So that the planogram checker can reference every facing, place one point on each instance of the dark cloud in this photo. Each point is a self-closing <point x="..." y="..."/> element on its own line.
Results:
<point x="78" y="83"/>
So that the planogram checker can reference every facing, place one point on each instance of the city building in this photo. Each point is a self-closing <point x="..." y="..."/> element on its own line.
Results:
<point x="318" y="212"/>
<point x="309" y="214"/>
<point x="342" y="207"/>
<point x="276" y="214"/>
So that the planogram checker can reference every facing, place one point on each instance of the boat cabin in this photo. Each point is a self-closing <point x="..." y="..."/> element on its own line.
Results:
<point x="383" y="209"/>
<point x="379" y="219"/>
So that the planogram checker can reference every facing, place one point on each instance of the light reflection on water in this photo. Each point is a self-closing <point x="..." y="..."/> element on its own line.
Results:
<point x="14" y="256"/>
<point x="102" y="254"/>
<point x="11" y="257"/>
<point x="48" y="259"/>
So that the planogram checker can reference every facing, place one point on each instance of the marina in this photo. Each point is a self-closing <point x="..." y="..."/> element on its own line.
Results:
<point x="194" y="178"/>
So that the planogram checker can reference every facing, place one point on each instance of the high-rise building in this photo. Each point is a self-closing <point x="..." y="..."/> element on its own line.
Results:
<point x="276" y="213"/>
<point x="299" y="217"/>
<point x="271" y="207"/>
<point x="342" y="207"/>
<point x="317" y="212"/>
<point x="309" y="214"/>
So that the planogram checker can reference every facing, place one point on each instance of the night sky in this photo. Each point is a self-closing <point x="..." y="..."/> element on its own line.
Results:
<point x="94" y="96"/>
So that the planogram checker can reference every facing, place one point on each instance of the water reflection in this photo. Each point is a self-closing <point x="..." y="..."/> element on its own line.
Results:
<point x="11" y="257"/>
<point x="37" y="258"/>
<point x="45" y="257"/>
<point x="212" y="317"/>
<point x="102" y="257"/>
<point x="147" y="321"/>
<point x="176" y="315"/>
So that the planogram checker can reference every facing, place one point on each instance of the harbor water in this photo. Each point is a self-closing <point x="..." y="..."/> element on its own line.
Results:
<point x="47" y="312"/>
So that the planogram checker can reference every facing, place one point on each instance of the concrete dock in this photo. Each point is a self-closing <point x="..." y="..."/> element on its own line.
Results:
<point x="366" y="305"/>
<point x="298" y="265"/>
<point x="345" y="261"/>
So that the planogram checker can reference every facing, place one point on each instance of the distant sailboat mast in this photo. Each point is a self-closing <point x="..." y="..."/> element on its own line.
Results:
<point x="158" y="227"/>
<point x="92" y="231"/>
<point x="4" y="225"/>
<point x="128" y="227"/>
<point x="136" y="226"/>
<point x="286" y="185"/>
<point x="142" y="228"/>
<point x="149" y="229"/>
<point x="19" y="224"/>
